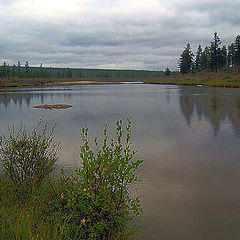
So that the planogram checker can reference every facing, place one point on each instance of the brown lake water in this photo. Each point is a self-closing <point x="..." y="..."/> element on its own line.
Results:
<point x="188" y="137"/>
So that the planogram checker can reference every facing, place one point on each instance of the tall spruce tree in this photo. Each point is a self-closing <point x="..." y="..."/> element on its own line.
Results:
<point x="215" y="52"/>
<point x="19" y="70"/>
<point x="26" y="69"/>
<point x="41" y="71"/>
<point x="14" y="71"/>
<point x="205" y="60"/>
<point x="223" y="57"/>
<point x="4" y="70"/>
<point x="198" y="61"/>
<point x="237" y="52"/>
<point x="167" y="72"/>
<point x="231" y="53"/>
<point x="186" y="60"/>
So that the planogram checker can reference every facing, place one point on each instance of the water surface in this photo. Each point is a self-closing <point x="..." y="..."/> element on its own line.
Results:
<point x="188" y="138"/>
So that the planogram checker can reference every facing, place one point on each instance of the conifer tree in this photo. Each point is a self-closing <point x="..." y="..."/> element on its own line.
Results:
<point x="198" y="61"/>
<point x="13" y="71"/>
<point x="223" y="57"/>
<point x="41" y="71"/>
<point x="205" y="60"/>
<point x="215" y="52"/>
<point x="167" y="72"/>
<point x="186" y="60"/>
<point x="26" y="69"/>
<point x="4" y="70"/>
<point x="19" y="70"/>
<point x="237" y="52"/>
<point x="231" y="53"/>
<point x="69" y="73"/>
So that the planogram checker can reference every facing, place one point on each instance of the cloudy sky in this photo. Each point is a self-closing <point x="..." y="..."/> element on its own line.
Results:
<point x="120" y="34"/>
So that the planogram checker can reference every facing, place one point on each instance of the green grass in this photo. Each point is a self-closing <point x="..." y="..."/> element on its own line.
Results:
<point x="24" y="216"/>
<point x="32" y="82"/>
<point x="209" y="79"/>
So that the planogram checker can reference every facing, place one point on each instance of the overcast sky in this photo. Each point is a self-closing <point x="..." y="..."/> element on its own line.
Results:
<point x="120" y="34"/>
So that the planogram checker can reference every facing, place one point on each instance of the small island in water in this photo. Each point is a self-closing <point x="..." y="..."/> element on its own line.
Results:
<point x="53" y="106"/>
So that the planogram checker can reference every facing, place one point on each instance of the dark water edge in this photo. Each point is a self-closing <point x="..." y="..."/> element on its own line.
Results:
<point x="188" y="138"/>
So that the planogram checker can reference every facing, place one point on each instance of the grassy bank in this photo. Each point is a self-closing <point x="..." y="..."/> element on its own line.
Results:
<point x="33" y="82"/>
<point x="209" y="79"/>
<point x="26" y="215"/>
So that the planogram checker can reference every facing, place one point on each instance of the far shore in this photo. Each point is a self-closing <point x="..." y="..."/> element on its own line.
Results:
<point x="227" y="79"/>
<point x="41" y="82"/>
<point x="79" y="83"/>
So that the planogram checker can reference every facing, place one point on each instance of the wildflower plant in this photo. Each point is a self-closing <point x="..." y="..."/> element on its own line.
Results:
<point x="95" y="203"/>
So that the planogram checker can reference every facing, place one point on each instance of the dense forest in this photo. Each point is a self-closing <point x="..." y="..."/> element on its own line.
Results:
<point x="25" y="71"/>
<point x="212" y="58"/>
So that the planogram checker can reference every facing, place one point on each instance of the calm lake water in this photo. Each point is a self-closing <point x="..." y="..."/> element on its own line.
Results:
<point x="189" y="139"/>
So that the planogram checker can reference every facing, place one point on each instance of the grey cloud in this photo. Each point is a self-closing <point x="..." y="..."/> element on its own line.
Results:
<point x="143" y="41"/>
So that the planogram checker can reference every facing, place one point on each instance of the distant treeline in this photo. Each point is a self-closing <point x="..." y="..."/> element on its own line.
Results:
<point x="212" y="58"/>
<point x="25" y="71"/>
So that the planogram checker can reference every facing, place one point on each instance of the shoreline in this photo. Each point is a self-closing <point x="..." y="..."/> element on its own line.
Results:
<point x="195" y="85"/>
<point x="223" y="79"/>
<point x="206" y="79"/>
<point x="28" y="83"/>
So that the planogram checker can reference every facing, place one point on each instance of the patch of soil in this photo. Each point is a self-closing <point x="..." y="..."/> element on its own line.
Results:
<point x="53" y="106"/>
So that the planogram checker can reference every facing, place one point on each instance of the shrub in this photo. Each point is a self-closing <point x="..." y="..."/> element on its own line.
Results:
<point x="28" y="157"/>
<point x="95" y="203"/>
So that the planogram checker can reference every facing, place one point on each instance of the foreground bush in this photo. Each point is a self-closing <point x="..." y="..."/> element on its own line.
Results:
<point x="95" y="204"/>
<point x="28" y="157"/>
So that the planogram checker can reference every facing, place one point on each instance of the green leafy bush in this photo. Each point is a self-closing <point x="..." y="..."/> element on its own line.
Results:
<point x="95" y="203"/>
<point x="28" y="157"/>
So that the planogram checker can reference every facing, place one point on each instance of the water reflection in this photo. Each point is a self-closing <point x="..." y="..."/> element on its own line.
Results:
<point x="191" y="177"/>
<point x="18" y="98"/>
<point x="216" y="105"/>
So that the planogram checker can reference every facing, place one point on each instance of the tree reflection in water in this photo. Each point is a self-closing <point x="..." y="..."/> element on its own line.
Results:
<point x="216" y="105"/>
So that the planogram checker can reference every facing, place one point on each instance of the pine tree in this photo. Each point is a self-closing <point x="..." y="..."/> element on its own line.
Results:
<point x="186" y="60"/>
<point x="19" y="70"/>
<point x="237" y="52"/>
<point x="198" y="62"/>
<point x="167" y="72"/>
<point x="4" y="70"/>
<point x="26" y="69"/>
<point x="215" y="52"/>
<point x="13" y="71"/>
<point x="205" y="60"/>
<point x="223" y="57"/>
<point x="69" y="73"/>
<point x="8" y="71"/>
<point x="41" y="71"/>
<point x="231" y="53"/>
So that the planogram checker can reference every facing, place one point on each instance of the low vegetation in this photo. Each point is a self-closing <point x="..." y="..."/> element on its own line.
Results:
<point x="94" y="203"/>
<point x="222" y="78"/>
<point x="33" y="82"/>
